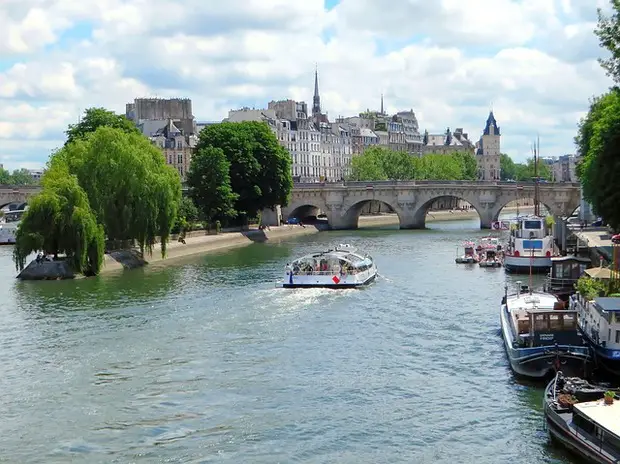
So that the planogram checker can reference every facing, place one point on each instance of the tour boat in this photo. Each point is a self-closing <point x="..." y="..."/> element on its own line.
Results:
<point x="469" y="255"/>
<point x="341" y="267"/>
<point x="583" y="417"/>
<point x="530" y="246"/>
<point x="490" y="258"/>
<point x="8" y="226"/>
<point x="599" y="323"/>
<point x="540" y="335"/>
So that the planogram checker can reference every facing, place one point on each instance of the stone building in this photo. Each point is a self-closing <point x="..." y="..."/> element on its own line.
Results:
<point x="488" y="151"/>
<point x="177" y="147"/>
<point x="563" y="169"/>
<point x="448" y="142"/>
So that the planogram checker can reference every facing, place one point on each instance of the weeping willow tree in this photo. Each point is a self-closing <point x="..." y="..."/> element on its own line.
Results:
<point x="58" y="221"/>
<point x="131" y="190"/>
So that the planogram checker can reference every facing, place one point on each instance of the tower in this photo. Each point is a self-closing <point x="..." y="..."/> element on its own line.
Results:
<point x="489" y="151"/>
<point x="316" y="101"/>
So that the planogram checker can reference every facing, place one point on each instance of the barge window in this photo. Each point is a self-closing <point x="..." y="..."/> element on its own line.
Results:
<point x="540" y="322"/>
<point x="617" y="336"/>
<point x="583" y="423"/>
<point x="555" y="322"/>
<point x="531" y="225"/>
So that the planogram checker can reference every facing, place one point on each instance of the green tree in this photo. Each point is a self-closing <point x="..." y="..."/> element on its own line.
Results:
<point x="133" y="193"/>
<point x="208" y="180"/>
<point x="608" y="33"/>
<point x="21" y="177"/>
<point x="508" y="168"/>
<point x="260" y="168"/>
<point x="469" y="165"/>
<point x="188" y="210"/>
<point x="369" y="165"/>
<point x="59" y="220"/>
<point x="438" y="167"/>
<point x="5" y="176"/>
<point x="598" y="143"/>
<point x="96" y="117"/>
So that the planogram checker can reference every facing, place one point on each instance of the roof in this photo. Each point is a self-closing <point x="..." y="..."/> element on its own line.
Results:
<point x="599" y="273"/>
<point x="528" y="301"/>
<point x="605" y="415"/>
<point x="579" y="259"/>
<point x="608" y="303"/>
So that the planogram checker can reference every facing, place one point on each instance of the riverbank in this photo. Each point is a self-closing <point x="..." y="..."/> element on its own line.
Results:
<point x="198" y="243"/>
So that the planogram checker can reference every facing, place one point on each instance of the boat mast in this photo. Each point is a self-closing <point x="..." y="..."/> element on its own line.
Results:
<point x="536" y="193"/>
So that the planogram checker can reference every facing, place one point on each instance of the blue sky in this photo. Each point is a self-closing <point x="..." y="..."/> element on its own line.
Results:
<point x="534" y="60"/>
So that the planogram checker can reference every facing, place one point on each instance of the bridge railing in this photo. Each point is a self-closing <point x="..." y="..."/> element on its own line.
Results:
<point x="407" y="183"/>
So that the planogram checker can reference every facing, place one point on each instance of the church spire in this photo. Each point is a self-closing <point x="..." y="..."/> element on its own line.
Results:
<point x="382" y="104"/>
<point x="316" y="101"/>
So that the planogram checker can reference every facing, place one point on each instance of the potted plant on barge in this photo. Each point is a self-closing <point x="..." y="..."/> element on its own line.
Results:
<point x="567" y="401"/>
<point x="609" y="397"/>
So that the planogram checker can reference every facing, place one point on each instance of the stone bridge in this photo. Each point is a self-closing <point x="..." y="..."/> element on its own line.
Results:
<point x="18" y="194"/>
<point x="411" y="200"/>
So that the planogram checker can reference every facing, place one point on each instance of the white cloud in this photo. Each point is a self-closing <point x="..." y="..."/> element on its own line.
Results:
<point x="533" y="60"/>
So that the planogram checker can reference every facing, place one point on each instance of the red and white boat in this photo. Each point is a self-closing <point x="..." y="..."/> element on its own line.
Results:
<point x="530" y="246"/>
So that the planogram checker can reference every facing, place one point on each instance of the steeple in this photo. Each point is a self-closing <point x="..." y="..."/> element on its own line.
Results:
<point x="491" y="122"/>
<point x="316" y="101"/>
<point x="382" y="104"/>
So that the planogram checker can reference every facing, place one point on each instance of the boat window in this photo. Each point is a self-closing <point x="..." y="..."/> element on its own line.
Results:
<point x="532" y="225"/>
<point x="532" y="244"/>
<point x="583" y="423"/>
<point x="569" y="321"/>
<point x="555" y="323"/>
<point x="540" y="322"/>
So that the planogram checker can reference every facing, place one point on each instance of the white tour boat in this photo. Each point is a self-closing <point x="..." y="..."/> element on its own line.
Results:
<point x="469" y="255"/>
<point x="8" y="226"/>
<point x="530" y="245"/>
<point x="341" y="267"/>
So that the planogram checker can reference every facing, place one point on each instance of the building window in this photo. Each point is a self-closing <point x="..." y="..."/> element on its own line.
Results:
<point x="180" y="158"/>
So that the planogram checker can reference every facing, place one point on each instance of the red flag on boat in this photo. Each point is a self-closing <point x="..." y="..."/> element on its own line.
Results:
<point x="336" y="279"/>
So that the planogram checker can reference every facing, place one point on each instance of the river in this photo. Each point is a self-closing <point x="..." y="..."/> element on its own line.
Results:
<point x="208" y="362"/>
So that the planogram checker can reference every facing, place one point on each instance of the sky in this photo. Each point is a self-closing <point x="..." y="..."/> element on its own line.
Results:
<point x="532" y="61"/>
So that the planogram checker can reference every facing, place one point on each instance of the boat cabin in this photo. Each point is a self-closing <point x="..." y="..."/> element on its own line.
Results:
<point x="331" y="262"/>
<point x="565" y="271"/>
<point x="530" y="227"/>
<point x="600" y="320"/>
<point x="542" y="320"/>
<point x="600" y="422"/>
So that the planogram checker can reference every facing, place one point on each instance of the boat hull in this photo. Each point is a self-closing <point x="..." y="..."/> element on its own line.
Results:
<point x="606" y="359"/>
<point x="559" y="430"/>
<point x="343" y="283"/>
<point x="490" y="264"/>
<point x="522" y="264"/>
<point x="539" y="362"/>
<point x="465" y="261"/>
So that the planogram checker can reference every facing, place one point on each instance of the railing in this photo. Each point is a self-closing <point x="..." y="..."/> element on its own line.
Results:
<point x="394" y="183"/>
<point x="559" y="282"/>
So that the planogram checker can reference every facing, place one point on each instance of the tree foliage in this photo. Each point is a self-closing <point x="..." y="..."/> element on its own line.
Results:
<point x="591" y="288"/>
<point x="260" y="168"/>
<point x="188" y="210"/>
<point x="608" y="33"/>
<point x="378" y="163"/>
<point x="131" y="190"/>
<point x="209" y="182"/>
<point x="598" y="143"/>
<point x="97" y="117"/>
<point x="523" y="172"/>
<point x="59" y="220"/>
<point x="18" y="177"/>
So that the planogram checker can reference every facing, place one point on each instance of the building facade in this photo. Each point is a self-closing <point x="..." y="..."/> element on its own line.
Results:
<point x="170" y="125"/>
<point x="488" y="151"/>
<point x="563" y="169"/>
<point x="448" y="142"/>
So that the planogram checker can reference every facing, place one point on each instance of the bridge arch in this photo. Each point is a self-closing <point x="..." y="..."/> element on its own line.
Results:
<point x="420" y="213"/>
<point x="302" y="208"/>
<point x="350" y="215"/>
<point x="18" y="204"/>
<point x="501" y="206"/>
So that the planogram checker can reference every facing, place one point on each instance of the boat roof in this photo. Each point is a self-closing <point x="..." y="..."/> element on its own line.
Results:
<point x="608" y="303"/>
<point x="348" y="254"/>
<point x="528" y="301"/>
<point x="579" y="259"/>
<point x="605" y="415"/>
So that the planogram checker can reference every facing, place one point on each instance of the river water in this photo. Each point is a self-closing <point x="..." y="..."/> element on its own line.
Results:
<point x="208" y="362"/>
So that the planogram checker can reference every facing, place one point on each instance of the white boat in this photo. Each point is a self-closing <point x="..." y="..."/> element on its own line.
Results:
<point x="341" y="267"/>
<point x="8" y="226"/>
<point x="490" y="258"/>
<point x="469" y="255"/>
<point x="530" y="246"/>
<point x="540" y="335"/>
